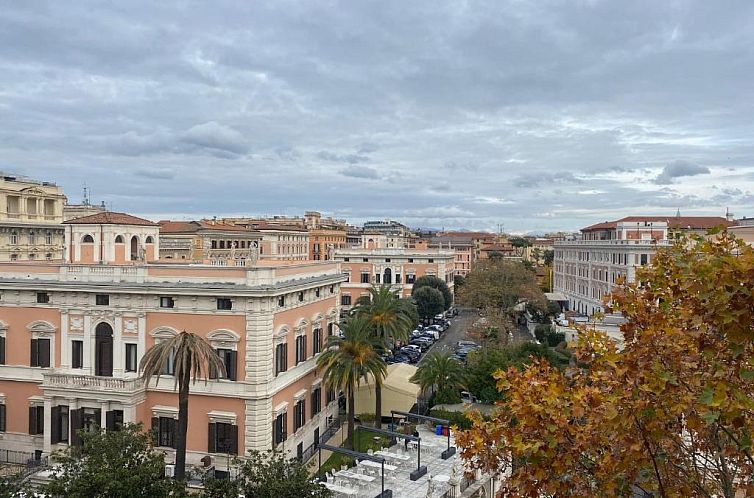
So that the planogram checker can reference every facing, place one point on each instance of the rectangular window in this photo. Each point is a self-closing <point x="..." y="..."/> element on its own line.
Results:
<point x="345" y="300"/>
<point x="377" y="278"/>
<point x="299" y="415"/>
<point x="300" y="297"/>
<point x="59" y="424"/>
<point x="316" y="401"/>
<point x="281" y="358"/>
<point x="643" y="259"/>
<point x="430" y="260"/>
<point x="131" y="354"/>
<point x="2" y="417"/>
<point x="168" y="367"/>
<point x="281" y="301"/>
<point x="102" y="300"/>
<point x="36" y="420"/>
<point x="223" y="303"/>
<point x="280" y="428"/>
<point x="40" y="353"/>
<point x="228" y="357"/>
<point x="2" y="350"/>
<point x="223" y="438"/>
<point x="364" y="278"/>
<point x="48" y="238"/>
<point x="77" y="354"/>
<point x="167" y="302"/>
<point x="300" y="349"/>
<point x="114" y="420"/>
<point x="330" y="395"/>
<point x="410" y="260"/>
<point x="365" y="260"/>
<point x="317" y="341"/>
<point x="397" y="278"/>
<point x="346" y="259"/>
<point x="410" y="278"/>
<point x="164" y="431"/>
<point x="43" y="298"/>
<point x="316" y="292"/>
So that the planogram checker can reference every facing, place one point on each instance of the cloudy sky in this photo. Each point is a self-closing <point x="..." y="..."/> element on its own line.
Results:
<point x="534" y="115"/>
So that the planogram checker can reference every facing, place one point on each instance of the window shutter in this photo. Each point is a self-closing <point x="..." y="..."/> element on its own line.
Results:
<point x="2" y="418"/>
<point x="34" y="357"/>
<point x="232" y="360"/>
<point x="32" y="420"/>
<point x="110" y="420"/>
<point x="75" y="421"/>
<point x="212" y="438"/>
<point x="55" y="425"/>
<point x="2" y="350"/>
<point x="44" y="352"/>
<point x="172" y="425"/>
<point x="233" y="440"/>
<point x="212" y="369"/>
<point x="155" y="431"/>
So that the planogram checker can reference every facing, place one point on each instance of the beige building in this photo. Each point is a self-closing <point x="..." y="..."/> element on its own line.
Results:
<point x="397" y="267"/>
<point x="30" y="228"/>
<point x="111" y="237"/>
<point x="209" y="241"/>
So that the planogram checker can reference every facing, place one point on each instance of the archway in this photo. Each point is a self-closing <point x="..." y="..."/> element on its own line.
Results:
<point x="103" y="350"/>
<point x="134" y="248"/>
<point x="387" y="277"/>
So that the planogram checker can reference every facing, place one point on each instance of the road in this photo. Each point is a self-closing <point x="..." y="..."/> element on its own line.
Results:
<point x="457" y="332"/>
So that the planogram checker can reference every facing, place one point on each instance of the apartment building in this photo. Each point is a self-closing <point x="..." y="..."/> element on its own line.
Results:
<point x="397" y="267"/>
<point x="209" y="241"/>
<point x="72" y="336"/>
<point x="586" y="269"/>
<point x="280" y="241"/>
<point x="325" y="235"/>
<point x="30" y="227"/>
<point x="462" y="247"/>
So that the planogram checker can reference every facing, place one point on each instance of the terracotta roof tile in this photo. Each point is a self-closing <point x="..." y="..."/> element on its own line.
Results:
<point x="110" y="218"/>
<point x="692" y="222"/>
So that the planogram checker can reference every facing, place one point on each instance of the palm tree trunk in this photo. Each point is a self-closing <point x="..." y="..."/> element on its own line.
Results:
<point x="351" y="417"/>
<point x="378" y="406"/>
<point x="180" y="436"/>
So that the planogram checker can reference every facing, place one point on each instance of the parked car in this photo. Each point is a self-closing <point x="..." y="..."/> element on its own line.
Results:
<point x="433" y="334"/>
<point x="423" y="344"/>
<point x="401" y="358"/>
<point x="467" y="397"/>
<point x="439" y="317"/>
<point x="471" y="344"/>
<point x="412" y="354"/>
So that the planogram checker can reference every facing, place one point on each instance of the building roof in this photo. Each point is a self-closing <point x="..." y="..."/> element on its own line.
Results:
<point x="180" y="227"/>
<point x="110" y="218"/>
<point x="468" y="235"/>
<point x="689" y="222"/>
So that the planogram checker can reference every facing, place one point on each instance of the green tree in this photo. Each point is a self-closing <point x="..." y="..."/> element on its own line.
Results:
<point x="429" y="302"/>
<point x="520" y="244"/>
<point x="458" y="281"/>
<point x="391" y="319"/>
<point x="548" y="256"/>
<point x="192" y="357"/>
<point x="435" y="283"/>
<point x="111" y="464"/>
<point x="500" y="285"/>
<point x="350" y="359"/>
<point x="440" y="373"/>
<point x="267" y="475"/>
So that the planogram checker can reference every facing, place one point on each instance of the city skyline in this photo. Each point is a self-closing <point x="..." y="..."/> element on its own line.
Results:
<point x="434" y="114"/>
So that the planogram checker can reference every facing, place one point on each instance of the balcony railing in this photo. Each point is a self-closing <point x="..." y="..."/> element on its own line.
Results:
<point x="91" y="382"/>
<point x="613" y="242"/>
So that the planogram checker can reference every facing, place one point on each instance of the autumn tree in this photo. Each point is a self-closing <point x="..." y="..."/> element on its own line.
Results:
<point x="499" y="284"/>
<point x="670" y="414"/>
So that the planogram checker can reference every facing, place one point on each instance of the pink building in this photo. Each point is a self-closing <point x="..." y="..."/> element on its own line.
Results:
<point x="72" y="335"/>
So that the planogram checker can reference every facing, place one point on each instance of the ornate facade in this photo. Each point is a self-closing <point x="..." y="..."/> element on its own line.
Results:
<point x="30" y="220"/>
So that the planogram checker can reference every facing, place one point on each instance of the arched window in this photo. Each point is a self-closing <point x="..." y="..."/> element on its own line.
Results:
<point x="149" y="240"/>
<point x="387" y="277"/>
<point x="134" y="248"/>
<point x="119" y="239"/>
<point x="88" y="239"/>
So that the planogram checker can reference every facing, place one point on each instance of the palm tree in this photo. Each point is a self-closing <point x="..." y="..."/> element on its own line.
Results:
<point x="439" y="371"/>
<point x="350" y="359"/>
<point x="191" y="356"/>
<point x="391" y="319"/>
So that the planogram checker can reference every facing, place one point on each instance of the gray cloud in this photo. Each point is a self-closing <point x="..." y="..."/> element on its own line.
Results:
<point x="360" y="172"/>
<point x="678" y="169"/>
<point x="342" y="158"/>
<point x="468" y="110"/>
<point x="534" y="180"/>
<point x="156" y="174"/>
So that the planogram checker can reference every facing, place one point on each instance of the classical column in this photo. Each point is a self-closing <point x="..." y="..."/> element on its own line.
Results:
<point x="118" y="350"/>
<point x="65" y="354"/>
<point x="88" y="360"/>
<point x="104" y="407"/>
<point x="47" y="438"/>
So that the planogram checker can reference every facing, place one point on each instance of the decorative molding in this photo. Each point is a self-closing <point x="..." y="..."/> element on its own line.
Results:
<point x="165" y="411"/>
<point x="222" y="417"/>
<point x="163" y="332"/>
<point x="41" y="328"/>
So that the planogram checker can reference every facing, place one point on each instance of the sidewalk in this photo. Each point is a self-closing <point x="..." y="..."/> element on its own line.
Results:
<point x="336" y="440"/>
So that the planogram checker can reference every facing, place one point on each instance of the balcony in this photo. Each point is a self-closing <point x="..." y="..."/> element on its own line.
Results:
<point x="91" y="383"/>
<point x="613" y="242"/>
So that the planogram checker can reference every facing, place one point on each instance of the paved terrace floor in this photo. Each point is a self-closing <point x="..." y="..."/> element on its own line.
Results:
<point x="399" y="481"/>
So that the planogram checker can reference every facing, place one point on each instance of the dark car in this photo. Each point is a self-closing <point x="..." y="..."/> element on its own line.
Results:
<point x="412" y="354"/>
<point x="423" y="343"/>
<point x="401" y="358"/>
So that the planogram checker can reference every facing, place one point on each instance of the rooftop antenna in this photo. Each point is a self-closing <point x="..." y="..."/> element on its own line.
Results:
<point x="86" y="195"/>
<point x="678" y="213"/>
